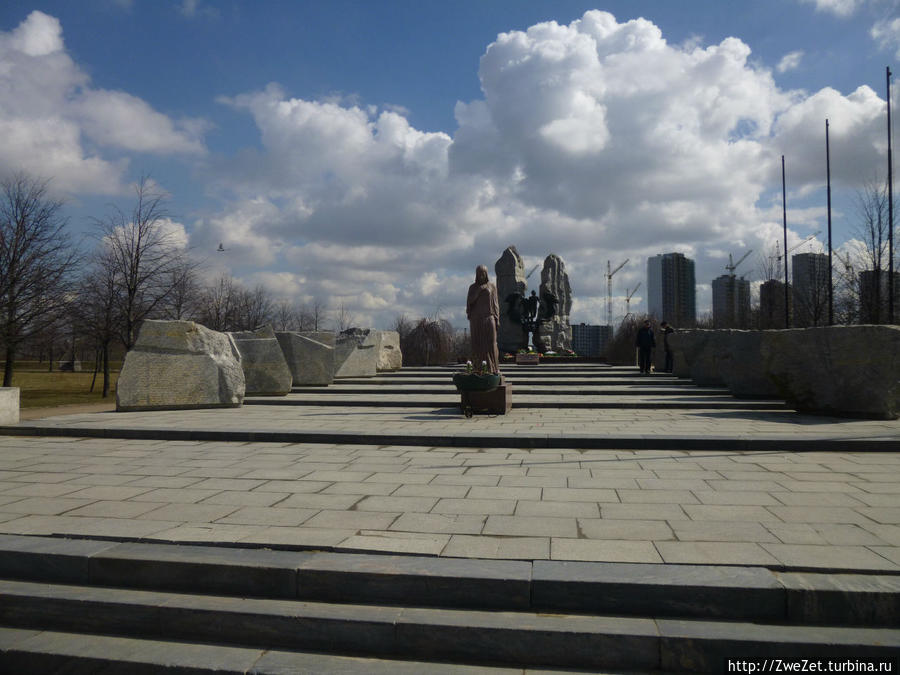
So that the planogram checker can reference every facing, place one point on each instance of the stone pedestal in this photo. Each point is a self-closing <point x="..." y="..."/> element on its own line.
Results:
<point x="496" y="402"/>
<point x="9" y="405"/>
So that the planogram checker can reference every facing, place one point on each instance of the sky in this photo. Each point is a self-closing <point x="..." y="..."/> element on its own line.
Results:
<point x="370" y="154"/>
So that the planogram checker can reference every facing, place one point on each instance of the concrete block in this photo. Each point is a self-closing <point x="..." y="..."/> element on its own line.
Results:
<point x="309" y="355"/>
<point x="9" y="405"/>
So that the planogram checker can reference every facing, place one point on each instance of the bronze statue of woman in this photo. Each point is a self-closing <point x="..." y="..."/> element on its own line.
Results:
<point x="483" y="311"/>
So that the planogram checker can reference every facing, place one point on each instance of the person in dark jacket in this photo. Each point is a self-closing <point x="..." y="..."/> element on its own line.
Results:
<point x="666" y="331"/>
<point x="645" y="342"/>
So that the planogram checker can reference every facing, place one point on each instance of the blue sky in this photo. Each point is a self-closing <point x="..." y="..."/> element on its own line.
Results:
<point x="370" y="154"/>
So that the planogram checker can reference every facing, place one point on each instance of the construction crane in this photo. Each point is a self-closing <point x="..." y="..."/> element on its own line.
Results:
<point x="527" y="276"/>
<point x="732" y="266"/>
<point x="778" y="255"/>
<point x="628" y="299"/>
<point x="609" y="276"/>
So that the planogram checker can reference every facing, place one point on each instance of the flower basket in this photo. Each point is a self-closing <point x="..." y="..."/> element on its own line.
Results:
<point x="475" y="382"/>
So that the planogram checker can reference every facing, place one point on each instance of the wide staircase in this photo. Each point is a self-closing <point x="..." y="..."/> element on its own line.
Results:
<point x="70" y="605"/>
<point x="545" y="386"/>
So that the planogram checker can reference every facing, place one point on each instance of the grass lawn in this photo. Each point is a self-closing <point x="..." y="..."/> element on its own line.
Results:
<point x="39" y="388"/>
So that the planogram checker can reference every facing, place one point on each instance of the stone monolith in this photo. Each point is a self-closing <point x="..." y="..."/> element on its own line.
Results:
<point x="266" y="372"/>
<point x="510" y="272"/>
<point x="555" y="292"/>
<point x="389" y="355"/>
<point x="355" y="353"/>
<point x="180" y="364"/>
<point x="309" y="355"/>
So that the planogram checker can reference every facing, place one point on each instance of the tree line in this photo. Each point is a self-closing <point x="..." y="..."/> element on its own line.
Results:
<point x="54" y="293"/>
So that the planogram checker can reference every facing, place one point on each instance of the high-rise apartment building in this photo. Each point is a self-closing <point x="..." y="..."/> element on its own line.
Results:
<point x="771" y="304"/>
<point x="809" y="272"/>
<point x="874" y="297"/>
<point x="590" y="340"/>
<point x="731" y="302"/>
<point x="671" y="289"/>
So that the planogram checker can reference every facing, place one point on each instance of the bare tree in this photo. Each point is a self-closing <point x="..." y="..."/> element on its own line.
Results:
<point x="184" y="299"/>
<point x="873" y="229"/>
<point x="428" y="342"/>
<point x="254" y="308"/>
<point x="98" y="309"/>
<point x="218" y="304"/>
<point x="144" y="256"/>
<point x="36" y="262"/>
<point x="313" y="317"/>
<point x="285" y="315"/>
<point x="344" y="318"/>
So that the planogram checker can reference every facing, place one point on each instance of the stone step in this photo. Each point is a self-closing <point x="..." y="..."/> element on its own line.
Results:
<point x="463" y="636"/>
<point x="520" y="401"/>
<point x="36" y="651"/>
<point x="520" y="389"/>
<point x="678" y="591"/>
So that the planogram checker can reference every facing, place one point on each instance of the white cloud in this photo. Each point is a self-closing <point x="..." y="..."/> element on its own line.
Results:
<point x="841" y="8"/>
<point x="789" y="61"/>
<point x="887" y="34"/>
<point x="55" y="124"/>
<point x="593" y="140"/>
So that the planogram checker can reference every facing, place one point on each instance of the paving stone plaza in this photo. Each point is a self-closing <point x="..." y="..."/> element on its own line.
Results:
<point x="406" y="473"/>
<point x="594" y="464"/>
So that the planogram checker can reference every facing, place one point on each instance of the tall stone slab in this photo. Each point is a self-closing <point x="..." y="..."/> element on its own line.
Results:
<point x="556" y="293"/>
<point x="510" y="273"/>
<point x="266" y="372"/>
<point x="9" y="405"/>
<point x="180" y="365"/>
<point x="849" y="371"/>
<point x="309" y="355"/>
<point x="740" y="364"/>
<point x="355" y="353"/>
<point x="389" y="355"/>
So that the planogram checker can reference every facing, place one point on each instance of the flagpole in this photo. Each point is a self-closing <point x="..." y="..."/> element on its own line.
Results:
<point x="787" y="318"/>
<point x="828" y="177"/>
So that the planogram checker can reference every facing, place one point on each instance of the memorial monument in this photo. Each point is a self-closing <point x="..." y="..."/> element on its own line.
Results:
<point x="511" y="284"/>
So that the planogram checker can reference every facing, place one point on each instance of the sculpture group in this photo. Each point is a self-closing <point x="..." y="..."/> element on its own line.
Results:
<point x="183" y="365"/>
<point x="543" y="314"/>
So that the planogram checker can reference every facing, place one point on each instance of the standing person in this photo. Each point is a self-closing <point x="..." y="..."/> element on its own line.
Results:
<point x="483" y="312"/>
<point x="645" y="342"/>
<point x="666" y="331"/>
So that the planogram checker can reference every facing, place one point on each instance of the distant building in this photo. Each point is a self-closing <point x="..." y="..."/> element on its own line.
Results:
<point x="771" y="304"/>
<point x="590" y="340"/>
<point x="731" y="302"/>
<point x="671" y="289"/>
<point x="873" y="298"/>
<point x="810" y="293"/>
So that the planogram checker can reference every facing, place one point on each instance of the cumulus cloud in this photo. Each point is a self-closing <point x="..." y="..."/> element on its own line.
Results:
<point x="593" y="140"/>
<point x="789" y="61"/>
<point x="48" y="110"/>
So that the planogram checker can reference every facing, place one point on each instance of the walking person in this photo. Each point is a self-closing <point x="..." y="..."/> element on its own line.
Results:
<point x="666" y="331"/>
<point x="645" y="342"/>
